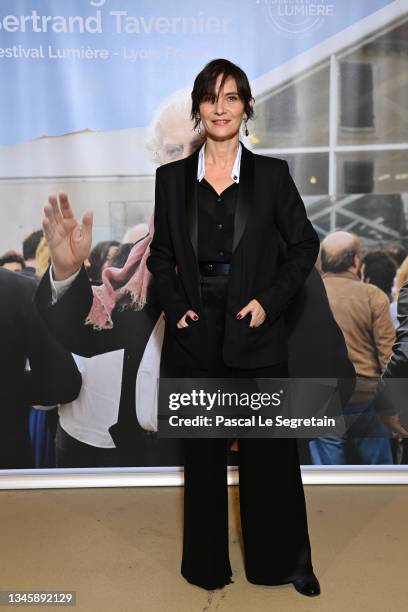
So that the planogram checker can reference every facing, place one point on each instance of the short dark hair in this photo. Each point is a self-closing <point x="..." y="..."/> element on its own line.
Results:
<point x="381" y="269"/>
<point x="31" y="243"/>
<point x="204" y="86"/>
<point x="12" y="257"/>
<point x="340" y="261"/>
<point x="97" y="258"/>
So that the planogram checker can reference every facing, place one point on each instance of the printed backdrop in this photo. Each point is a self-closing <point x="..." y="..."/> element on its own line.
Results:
<point x="95" y="94"/>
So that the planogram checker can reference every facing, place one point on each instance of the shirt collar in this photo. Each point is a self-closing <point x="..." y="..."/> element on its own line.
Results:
<point x="235" y="169"/>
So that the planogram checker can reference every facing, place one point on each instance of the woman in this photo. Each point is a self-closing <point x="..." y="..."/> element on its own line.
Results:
<point x="276" y="539"/>
<point x="214" y="260"/>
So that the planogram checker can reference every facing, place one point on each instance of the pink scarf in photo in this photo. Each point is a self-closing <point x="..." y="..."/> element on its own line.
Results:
<point x="133" y="279"/>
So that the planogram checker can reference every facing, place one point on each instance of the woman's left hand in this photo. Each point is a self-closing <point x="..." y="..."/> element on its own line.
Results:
<point x="258" y="314"/>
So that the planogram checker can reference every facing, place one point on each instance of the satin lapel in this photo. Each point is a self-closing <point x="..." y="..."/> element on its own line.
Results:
<point x="245" y="194"/>
<point x="191" y="199"/>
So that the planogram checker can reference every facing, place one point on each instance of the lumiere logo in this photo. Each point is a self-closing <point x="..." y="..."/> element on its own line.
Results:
<point x="297" y="17"/>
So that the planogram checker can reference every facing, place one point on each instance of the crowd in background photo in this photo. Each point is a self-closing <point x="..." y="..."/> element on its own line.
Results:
<point x="362" y="287"/>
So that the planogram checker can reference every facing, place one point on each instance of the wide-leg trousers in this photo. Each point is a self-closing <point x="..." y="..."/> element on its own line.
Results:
<point x="272" y="503"/>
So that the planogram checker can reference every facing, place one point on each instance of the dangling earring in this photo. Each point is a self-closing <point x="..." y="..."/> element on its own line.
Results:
<point x="246" y="128"/>
<point x="198" y="127"/>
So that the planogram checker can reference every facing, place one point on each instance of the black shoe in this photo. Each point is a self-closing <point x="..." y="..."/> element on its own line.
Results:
<point x="307" y="585"/>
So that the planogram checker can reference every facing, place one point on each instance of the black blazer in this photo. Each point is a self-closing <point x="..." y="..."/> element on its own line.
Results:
<point x="131" y="331"/>
<point x="317" y="349"/>
<point x="269" y="207"/>
<point x="52" y="379"/>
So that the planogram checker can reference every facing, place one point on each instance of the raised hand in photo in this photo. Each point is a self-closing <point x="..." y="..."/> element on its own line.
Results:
<point x="68" y="241"/>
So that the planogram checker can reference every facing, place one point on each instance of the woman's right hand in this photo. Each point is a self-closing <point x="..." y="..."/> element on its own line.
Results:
<point x="69" y="243"/>
<point x="183" y="323"/>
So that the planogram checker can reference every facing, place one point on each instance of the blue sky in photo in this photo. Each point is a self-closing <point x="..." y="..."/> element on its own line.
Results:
<point x="53" y="96"/>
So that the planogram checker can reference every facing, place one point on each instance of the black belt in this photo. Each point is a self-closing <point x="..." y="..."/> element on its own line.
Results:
<point x="214" y="269"/>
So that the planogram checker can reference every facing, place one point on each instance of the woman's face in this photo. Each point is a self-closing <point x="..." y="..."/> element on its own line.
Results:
<point x="223" y="117"/>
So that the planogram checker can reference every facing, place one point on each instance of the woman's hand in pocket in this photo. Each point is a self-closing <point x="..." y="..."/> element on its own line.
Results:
<point x="258" y="314"/>
<point x="183" y="323"/>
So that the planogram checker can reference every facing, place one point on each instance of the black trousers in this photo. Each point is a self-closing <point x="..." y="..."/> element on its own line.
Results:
<point x="272" y="502"/>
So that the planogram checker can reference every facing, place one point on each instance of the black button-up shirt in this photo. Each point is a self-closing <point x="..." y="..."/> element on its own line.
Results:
<point x="216" y="222"/>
